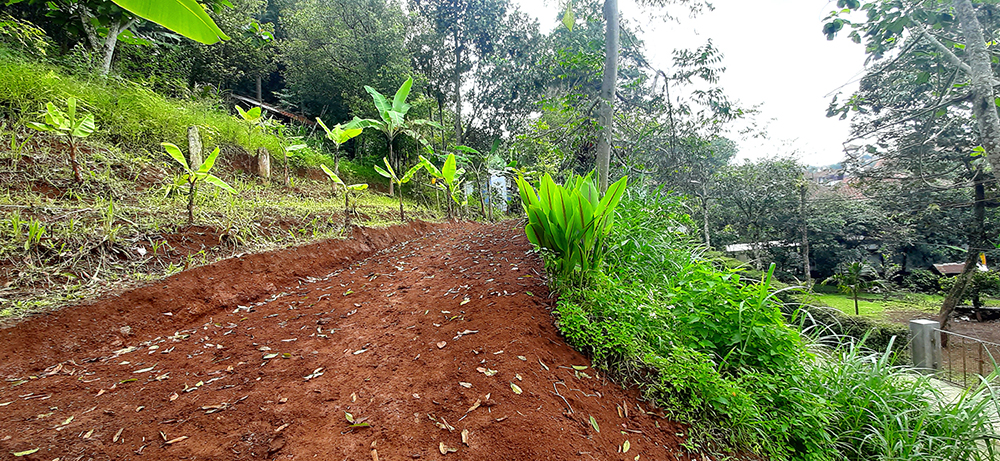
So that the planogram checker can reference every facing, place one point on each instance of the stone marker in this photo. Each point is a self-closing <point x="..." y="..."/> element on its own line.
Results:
<point x="194" y="148"/>
<point x="263" y="163"/>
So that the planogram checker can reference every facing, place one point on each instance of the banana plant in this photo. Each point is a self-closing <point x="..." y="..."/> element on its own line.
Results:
<point x="68" y="124"/>
<point x="393" y="119"/>
<point x="339" y="135"/>
<point x="347" y="192"/>
<point x="192" y="177"/>
<point x="449" y="174"/>
<point x="571" y="221"/>
<point x="255" y="121"/>
<point x="389" y="173"/>
<point x="287" y="144"/>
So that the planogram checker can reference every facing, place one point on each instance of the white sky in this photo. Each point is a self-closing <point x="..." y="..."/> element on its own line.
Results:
<point x="775" y="55"/>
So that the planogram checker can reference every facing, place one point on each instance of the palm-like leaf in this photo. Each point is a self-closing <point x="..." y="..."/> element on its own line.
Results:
<point x="186" y="17"/>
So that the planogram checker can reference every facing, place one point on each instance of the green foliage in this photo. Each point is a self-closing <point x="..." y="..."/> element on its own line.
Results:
<point x="881" y="411"/>
<point x="854" y="278"/>
<point x="390" y="173"/>
<point x="571" y="221"/>
<point x="68" y="125"/>
<point x="449" y="174"/>
<point x="186" y="17"/>
<point x="192" y="177"/>
<point x="347" y="189"/>
<point x="24" y="36"/>
<point x="129" y="115"/>
<point x="713" y="350"/>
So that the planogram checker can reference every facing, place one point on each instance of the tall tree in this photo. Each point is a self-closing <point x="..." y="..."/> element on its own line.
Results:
<point x="467" y="31"/>
<point x="961" y="47"/>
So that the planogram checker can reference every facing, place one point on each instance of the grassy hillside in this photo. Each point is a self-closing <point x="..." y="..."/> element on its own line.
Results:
<point x="126" y="222"/>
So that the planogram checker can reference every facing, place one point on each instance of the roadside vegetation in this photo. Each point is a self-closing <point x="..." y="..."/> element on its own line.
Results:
<point x="712" y="348"/>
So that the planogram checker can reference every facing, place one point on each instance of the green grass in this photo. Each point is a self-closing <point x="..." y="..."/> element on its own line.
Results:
<point x="92" y="230"/>
<point x="128" y="115"/>
<point x="868" y="307"/>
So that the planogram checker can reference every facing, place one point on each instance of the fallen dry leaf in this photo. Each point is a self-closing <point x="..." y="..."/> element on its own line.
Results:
<point x="445" y="450"/>
<point x="178" y="439"/>
<point x="117" y="435"/>
<point x="465" y="385"/>
<point x="515" y="388"/>
<point x="442" y="344"/>
<point x="465" y="437"/>
<point x="474" y="406"/>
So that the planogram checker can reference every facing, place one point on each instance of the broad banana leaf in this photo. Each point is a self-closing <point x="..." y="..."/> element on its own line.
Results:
<point x="186" y="17"/>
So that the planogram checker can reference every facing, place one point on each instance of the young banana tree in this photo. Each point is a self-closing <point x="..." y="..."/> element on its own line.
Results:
<point x="287" y="144"/>
<point x="389" y="173"/>
<point x="449" y="174"/>
<point x="393" y="119"/>
<point x="191" y="177"/>
<point x="339" y="135"/>
<point x="255" y="122"/>
<point x="68" y="124"/>
<point x="347" y="191"/>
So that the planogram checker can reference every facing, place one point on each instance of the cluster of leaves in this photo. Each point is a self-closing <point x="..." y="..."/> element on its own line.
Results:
<point x="571" y="221"/>
<point x="193" y="176"/>
<point x="69" y="125"/>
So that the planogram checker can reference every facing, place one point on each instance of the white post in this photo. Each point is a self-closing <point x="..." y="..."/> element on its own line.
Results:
<point x="925" y="344"/>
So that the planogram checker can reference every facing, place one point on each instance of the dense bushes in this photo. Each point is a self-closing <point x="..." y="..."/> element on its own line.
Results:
<point x="715" y="352"/>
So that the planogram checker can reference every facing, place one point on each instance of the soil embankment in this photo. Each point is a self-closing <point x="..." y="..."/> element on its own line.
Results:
<point x="430" y="337"/>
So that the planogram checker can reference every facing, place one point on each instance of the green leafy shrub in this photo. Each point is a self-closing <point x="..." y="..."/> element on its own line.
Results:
<point x="571" y="221"/>
<point x="711" y="347"/>
<point x="192" y="176"/>
<point x="921" y="281"/>
<point x="69" y="125"/>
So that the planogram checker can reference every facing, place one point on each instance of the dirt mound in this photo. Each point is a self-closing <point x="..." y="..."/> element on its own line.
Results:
<point x="430" y="338"/>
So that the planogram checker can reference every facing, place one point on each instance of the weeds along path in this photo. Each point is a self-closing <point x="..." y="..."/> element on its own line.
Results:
<point x="435" y="340"/>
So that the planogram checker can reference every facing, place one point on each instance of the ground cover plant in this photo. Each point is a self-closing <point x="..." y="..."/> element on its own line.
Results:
<point x="714" y="350"/>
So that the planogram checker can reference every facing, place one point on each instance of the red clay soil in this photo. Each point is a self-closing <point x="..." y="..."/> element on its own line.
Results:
<point x="422" y="332"/>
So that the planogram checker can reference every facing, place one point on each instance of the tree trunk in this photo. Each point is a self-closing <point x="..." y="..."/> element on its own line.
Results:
<point x="606" y="112"/>
<point x="857" y="311"/>
<point x="347" y="209"/>
<point x="194" y="148"/>
<point x="191" y="194"/>
<point x="807" y="270"/>
<point x="975" y="246"/>
<point x="72" y="160"/>
<point x="401" y="217"/>
<point x="111" y="42"/>
<point x="704" y="213"/>
<point x="458" y="92"/>
<point x="983" y="99"/>
<point x="260" y="97"/>
<point x="391" y="182"/>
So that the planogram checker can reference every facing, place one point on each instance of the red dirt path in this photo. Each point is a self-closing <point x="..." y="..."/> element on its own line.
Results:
<point x="376" y="323"/>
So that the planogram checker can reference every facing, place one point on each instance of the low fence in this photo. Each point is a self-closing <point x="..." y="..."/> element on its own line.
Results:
<point x="956" y="358"/>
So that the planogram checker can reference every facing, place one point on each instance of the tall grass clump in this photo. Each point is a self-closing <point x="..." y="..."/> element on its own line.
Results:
<point x="712" y="349"/>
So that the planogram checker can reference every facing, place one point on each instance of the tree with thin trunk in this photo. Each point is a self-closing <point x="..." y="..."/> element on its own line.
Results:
<point x="855" y="278"/>
<point x="606" y="114"/>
